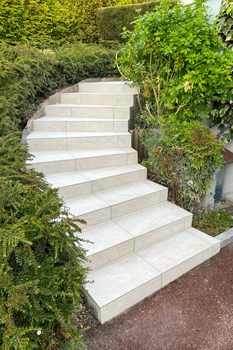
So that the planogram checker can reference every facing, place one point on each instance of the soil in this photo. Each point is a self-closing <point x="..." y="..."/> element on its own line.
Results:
<point x="194" y="312"/>
<point x="229" y="210"/>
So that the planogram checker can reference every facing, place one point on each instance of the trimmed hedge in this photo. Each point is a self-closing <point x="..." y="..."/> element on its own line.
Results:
<point x="111" y="20"/>
<point x="29" y="75"/>
<point x="34" y="20"/>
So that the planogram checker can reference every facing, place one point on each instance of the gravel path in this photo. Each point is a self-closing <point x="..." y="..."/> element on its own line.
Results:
<point x="194" y="312"/>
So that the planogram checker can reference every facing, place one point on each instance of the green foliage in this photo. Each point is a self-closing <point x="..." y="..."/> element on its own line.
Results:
<point x="86" y="11"/>
<point x="223" y="114"/>
<point x="184" y="159"/>
<point x="28" y="75"/>
<point x="176" y="56"/>
<point x="213" y="222"/>
<point x="224" y="23"/>
<point x="32" y="20"/>
<point x="106" y="3"/>
<point x="111" y="20"/>
<point x="41" y="259"/>
<point x="35" y="20"/>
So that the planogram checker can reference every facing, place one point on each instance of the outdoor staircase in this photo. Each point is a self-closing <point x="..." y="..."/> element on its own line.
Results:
<point x="141" y="241"/>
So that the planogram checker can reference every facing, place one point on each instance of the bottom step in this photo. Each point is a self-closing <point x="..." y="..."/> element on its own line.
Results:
<point x="127" y="281"/>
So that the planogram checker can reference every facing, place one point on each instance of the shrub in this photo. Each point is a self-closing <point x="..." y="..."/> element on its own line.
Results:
<point x="86" y="11"/>
<point x="223" y="114"/>
<point x="29" y="74"/>
<point x="177" y="56"/>
<point x="32" y="20"/>
<point x="224" y="23"/>
<point x="111" y="20"/>
<point x="41" y="259"/>
<point x="184" y="159"/>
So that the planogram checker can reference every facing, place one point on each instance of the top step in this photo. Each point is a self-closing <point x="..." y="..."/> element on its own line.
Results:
<point x="108" y="87"/>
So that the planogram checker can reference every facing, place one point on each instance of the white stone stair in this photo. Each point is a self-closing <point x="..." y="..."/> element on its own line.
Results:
<point x="141" y="242"/>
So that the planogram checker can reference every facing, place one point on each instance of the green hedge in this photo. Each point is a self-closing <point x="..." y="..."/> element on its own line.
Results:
<point x="51" y="19"/>
<point x="111" y="20"/>
<point x="29" y="75"/>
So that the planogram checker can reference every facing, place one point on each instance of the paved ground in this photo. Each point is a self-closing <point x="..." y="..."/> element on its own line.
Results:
<point x="194" y="312"/>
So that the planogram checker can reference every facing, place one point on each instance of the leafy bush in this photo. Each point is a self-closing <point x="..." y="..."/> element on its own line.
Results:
<point x="224" y="23"/>
<point x="223" y="115"/>
<point x="41" y="274"/>
<point x="29" y="75"/>
<point x="212" y="223"/>
<point x="184" y="159"/>
<point x="176" y="56"/>
<point x="111" y="20"/>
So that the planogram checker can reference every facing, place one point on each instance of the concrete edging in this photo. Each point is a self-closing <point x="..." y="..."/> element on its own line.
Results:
<point x="225" y="238"/>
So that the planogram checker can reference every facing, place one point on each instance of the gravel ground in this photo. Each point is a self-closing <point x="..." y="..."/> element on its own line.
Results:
<point x="194" y="312"/>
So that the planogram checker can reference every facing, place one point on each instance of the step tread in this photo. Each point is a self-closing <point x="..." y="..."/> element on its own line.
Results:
<point x="121" y="277"/>
<point x="128" y="192"/>
<point x="48" y="156"/>
<point x="98" y="93"/>
<point x="79" y="176"/>
<point x="68" y="134"/>
<point x="72" y="119"/>
<point x="145" y="220"/>
<point x="73" y="105"/>
<point x="112" y="196"/>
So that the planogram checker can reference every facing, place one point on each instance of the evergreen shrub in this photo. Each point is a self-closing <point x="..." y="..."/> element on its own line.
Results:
<point x="41" y="258"/>
<point x="34" y="20"/>
<point x="31" y="20"/>
<point x="111" y="20"/>
<point x="28" y="75"/>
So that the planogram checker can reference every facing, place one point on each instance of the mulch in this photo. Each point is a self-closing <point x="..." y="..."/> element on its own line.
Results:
<point x="194" y="312"/>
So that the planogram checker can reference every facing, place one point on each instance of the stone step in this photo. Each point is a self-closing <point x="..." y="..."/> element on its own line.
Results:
<point x="83" y="182"/>
<point x="74" y="160"/>
<point x="85" y="111"/>
<point x="60" y="141"/>
<point x="79" y="124"/>
<point x="119" y="237"/>
<point x="125" y="282"/>
<point x="116" y="202"/>
<point x="102" y="99"/>
<point x="116" y="87"/>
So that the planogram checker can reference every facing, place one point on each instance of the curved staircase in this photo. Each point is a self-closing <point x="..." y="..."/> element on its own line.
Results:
<point x="141" y="241"/>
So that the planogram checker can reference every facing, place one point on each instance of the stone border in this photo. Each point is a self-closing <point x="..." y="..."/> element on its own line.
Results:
<point x="225" y="238"/>
<point x="56" y="99"/>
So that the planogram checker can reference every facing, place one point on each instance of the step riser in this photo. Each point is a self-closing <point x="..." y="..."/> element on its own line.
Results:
<point x="78" y="190"/>
<point x="86" y="126"/>
<point x="113" y="212"/>
<point x="107" y="88"/>
<point x="116" y="252"/>
<point x="54" y="167"/>
<point x="88" y="112"/>
<point x="119" y="305"/>
<point x="85" y="163"/>
<point x="97" y="99"/>
<point x="79" y="143"/>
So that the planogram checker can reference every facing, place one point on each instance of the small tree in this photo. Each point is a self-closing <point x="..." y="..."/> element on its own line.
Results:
<point x="41" y="258"/>
<point x="177" y="57"/>
<point x="182" y="66"/>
